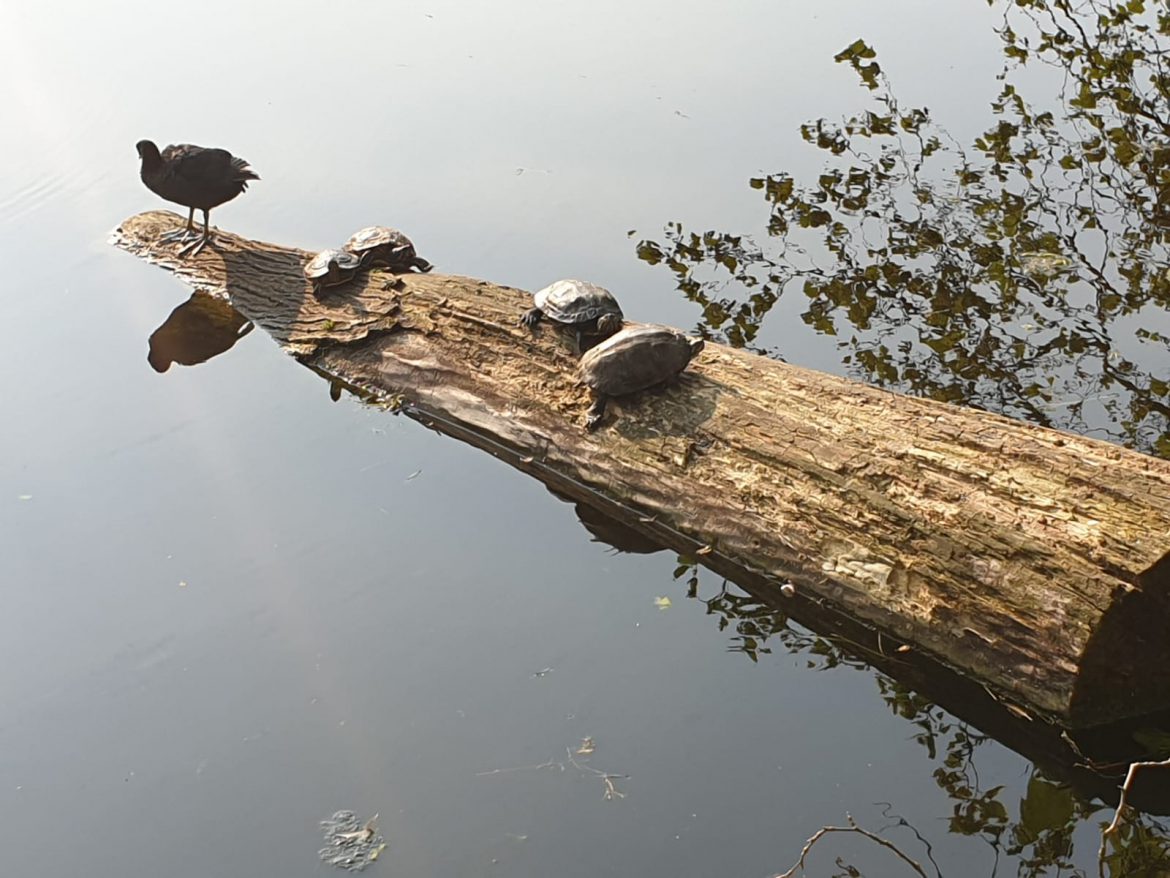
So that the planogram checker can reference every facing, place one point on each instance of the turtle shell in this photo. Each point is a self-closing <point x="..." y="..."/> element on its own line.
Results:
<point x="318" y="266"/>
<point x="372" y="237"/>
<point x="636" y="358"/>
<point x="576" y="301"/>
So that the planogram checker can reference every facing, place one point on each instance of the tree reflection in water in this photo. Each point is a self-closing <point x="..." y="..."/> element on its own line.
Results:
<point x="1027" y="273"/>
<point x="1043" y="832"/>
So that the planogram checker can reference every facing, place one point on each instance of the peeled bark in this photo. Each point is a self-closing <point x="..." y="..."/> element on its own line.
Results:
<point x="1034" y="561"/>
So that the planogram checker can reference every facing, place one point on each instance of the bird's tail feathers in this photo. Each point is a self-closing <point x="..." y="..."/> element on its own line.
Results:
<point x="243" y="172"/>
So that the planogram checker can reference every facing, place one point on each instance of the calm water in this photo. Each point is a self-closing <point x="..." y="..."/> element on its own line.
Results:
<point x="233" y="606"/>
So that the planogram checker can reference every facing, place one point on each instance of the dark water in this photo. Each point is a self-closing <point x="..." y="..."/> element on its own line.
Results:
<point x="232" y="606"/>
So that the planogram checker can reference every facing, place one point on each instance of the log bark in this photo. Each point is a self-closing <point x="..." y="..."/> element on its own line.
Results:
<point x="1034" y="561"/>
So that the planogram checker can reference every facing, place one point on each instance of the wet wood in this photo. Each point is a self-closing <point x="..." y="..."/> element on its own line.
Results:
<point x="1034" y="561"/>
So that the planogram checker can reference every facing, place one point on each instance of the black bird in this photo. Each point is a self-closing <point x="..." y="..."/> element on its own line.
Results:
<point x="195" y="177"/>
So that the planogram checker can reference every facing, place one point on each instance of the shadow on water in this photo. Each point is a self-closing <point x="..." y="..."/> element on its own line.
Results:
<point x="1027" y="273"/>
<point x="610" y="531"/>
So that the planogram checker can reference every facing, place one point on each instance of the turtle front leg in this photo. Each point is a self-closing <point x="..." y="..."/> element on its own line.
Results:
<point x="596" y="411"/>
<point x="333" y="278"/>
<point x="532" y="317"/>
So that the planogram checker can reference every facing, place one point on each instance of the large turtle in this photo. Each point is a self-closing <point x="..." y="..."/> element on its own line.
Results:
<point x="584" y="307"/>
<point x="632" y="360"/>
<point x="384" y="246"/>
<point x="330" y="268"/>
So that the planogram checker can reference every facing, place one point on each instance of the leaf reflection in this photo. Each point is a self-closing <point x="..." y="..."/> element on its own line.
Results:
<point x="1042" y="832"/>
<point x="1027" y="272"/>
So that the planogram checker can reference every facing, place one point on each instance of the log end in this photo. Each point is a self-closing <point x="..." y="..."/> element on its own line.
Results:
<point x="1125" y="667"/>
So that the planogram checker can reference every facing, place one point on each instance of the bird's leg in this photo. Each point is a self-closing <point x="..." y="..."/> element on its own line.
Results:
<point x="195" y="246"/>
<point x="181" y="234"/>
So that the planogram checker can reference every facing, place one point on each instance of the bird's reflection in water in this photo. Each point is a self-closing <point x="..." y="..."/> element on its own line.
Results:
<point x="199" y="329"/>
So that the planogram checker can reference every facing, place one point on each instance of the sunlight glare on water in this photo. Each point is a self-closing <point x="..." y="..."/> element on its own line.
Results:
<point x="234" y="607"/>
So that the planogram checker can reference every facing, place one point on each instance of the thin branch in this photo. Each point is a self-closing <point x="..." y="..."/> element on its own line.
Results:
<point x="1118" y="815"/>
<point x="852" y="827"/>
<point x="887" y="811"/>
<point x="550" y="764"/>
<point x="607" y="778"/>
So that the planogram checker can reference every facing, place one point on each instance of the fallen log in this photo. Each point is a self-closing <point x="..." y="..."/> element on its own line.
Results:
<point x="1034" y="561"/>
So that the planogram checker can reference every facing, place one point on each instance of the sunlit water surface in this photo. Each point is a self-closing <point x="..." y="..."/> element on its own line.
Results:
<point x="233" y="606"/>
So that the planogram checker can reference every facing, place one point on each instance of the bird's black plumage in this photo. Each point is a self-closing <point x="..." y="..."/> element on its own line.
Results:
<point x="195" y="177"/>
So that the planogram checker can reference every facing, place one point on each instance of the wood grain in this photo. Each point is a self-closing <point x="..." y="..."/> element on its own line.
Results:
<point x="1033" y="560"/>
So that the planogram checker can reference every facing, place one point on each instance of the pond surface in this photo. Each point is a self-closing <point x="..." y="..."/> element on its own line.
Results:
<point x="234" y="606"/>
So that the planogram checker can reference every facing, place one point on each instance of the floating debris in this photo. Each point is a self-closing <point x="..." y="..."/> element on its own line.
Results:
<point x="543" y="672"/>
<point x="584" y="750"/>
<point x="350" y="844"/>
<point x="612" y="793"/>
<point x="1044" y="265"/>
<point x="662" y="603"/>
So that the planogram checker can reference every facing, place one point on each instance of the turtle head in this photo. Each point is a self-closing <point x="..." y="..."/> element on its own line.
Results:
<point x="608" y="324"/>
<point x="696" y="345"/>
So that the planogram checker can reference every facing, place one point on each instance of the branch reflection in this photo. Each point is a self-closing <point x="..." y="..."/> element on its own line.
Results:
<point x="1027" y="272"/>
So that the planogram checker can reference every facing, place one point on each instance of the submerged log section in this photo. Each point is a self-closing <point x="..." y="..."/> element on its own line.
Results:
<point x="1036" y="561"/>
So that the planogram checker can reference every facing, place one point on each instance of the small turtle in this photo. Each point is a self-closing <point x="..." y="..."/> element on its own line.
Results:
<point x="632" y="360"/>
<point x="380" y="245"/>
<point x="584" y="307"/>
<point x="330" y="268"/>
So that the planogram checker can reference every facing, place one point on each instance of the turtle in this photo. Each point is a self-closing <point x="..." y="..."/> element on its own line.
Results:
<point x="631" y="360"/>
<point x="381" y="245"/>
<point x="330" y="268"/>
<point x="579" y="305"/>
